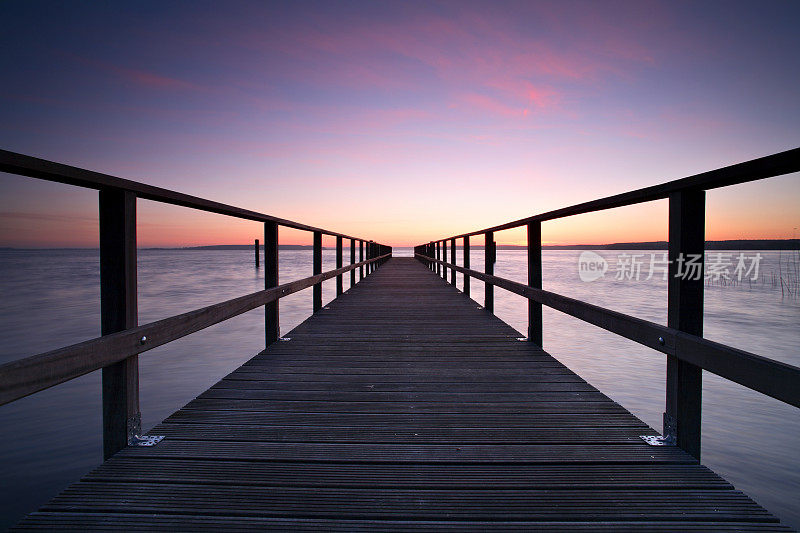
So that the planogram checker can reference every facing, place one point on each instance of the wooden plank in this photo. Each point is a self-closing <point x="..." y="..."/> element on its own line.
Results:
<point x="77" y="521"/>
<point x="454" y="453"/>
<point x="406" y="475"/>
<point x="405" y="434"/>
<point x="430" y="504"/>
<point x="558" y="418"/>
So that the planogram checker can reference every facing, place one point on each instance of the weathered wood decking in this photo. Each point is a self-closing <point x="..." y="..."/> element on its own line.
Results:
<point x="402" y="406"/>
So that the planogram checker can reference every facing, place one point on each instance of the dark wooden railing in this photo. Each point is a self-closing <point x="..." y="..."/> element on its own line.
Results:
<point x="123" y="339"/>
<point x="681" y="340"/>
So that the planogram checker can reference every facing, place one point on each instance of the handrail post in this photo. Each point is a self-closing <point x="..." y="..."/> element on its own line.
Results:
<point x="438" y="257"/>
<point x="685" y="312"/>
<point x="317" y="270"/>
<point x="535" y="334"/>
<point x="466" y="265"/>
<point x="453" y="261"/>
<point x="352" y="262"/>
<point x="271" y="310"/>
<point x="488" y="260"/>
<point x="360" y="259"/>
<point x="118" y="311"/>
<point x="444" y="258"/>
<point x="339" y="280"/>
<point x="257" y="253"/>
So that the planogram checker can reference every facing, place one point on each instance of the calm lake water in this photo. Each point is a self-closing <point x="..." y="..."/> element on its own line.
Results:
<point x="50" y="298"/>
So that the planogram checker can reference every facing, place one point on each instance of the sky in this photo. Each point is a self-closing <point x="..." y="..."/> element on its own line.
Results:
<point x="401" y="122"/>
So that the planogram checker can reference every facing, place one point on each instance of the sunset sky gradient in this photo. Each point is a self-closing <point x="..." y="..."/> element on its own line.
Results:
<point x="397" y="121"/>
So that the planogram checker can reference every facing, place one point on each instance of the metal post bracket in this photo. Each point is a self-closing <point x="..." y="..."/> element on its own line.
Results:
<point x="145" y="440"/>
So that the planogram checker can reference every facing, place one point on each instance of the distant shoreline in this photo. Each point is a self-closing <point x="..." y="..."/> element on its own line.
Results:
<point x="741" y="244"/>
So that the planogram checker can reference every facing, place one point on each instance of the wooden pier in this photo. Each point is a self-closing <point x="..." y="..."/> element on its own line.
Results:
<point x="403" y="406"/>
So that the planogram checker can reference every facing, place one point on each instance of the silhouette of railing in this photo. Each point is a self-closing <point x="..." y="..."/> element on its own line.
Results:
<point x="123" y="339"/>
<point x="681" y="340"/>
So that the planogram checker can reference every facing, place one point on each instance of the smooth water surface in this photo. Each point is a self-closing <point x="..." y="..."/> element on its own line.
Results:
<point x="50" y="298"/>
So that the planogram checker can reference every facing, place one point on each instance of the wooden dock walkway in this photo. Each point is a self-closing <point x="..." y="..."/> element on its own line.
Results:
<point x="402" y="406"/>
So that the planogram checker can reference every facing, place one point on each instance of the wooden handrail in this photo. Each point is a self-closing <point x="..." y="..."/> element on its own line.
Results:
<point x="753" y="170"/>
<point x="25" y="165"/>
<point x="773" y="378"/>
<point x="32" y="374"/>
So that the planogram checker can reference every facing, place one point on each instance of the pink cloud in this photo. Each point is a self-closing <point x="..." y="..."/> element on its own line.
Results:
<point x="481" y="102"/>
<point x="143" y="78"/>
<point x="151" y="80"/>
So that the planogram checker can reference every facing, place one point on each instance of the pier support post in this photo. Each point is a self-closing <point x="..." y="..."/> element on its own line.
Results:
<point x="535" y="280"/>
<point x="317" y="270"/>
<point x="444" y="258"/>
<point x="339" y="280"/>
<point x="685" y="312"/>
<point x="453" y="261"/>
<point x="352" y="262"/>
<point x="118" y="311"/>
<point x="466" y="265"/>
<point x="271" y="310"/>
<point x="488" y="260"/>
<point x="257" y="253"/>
